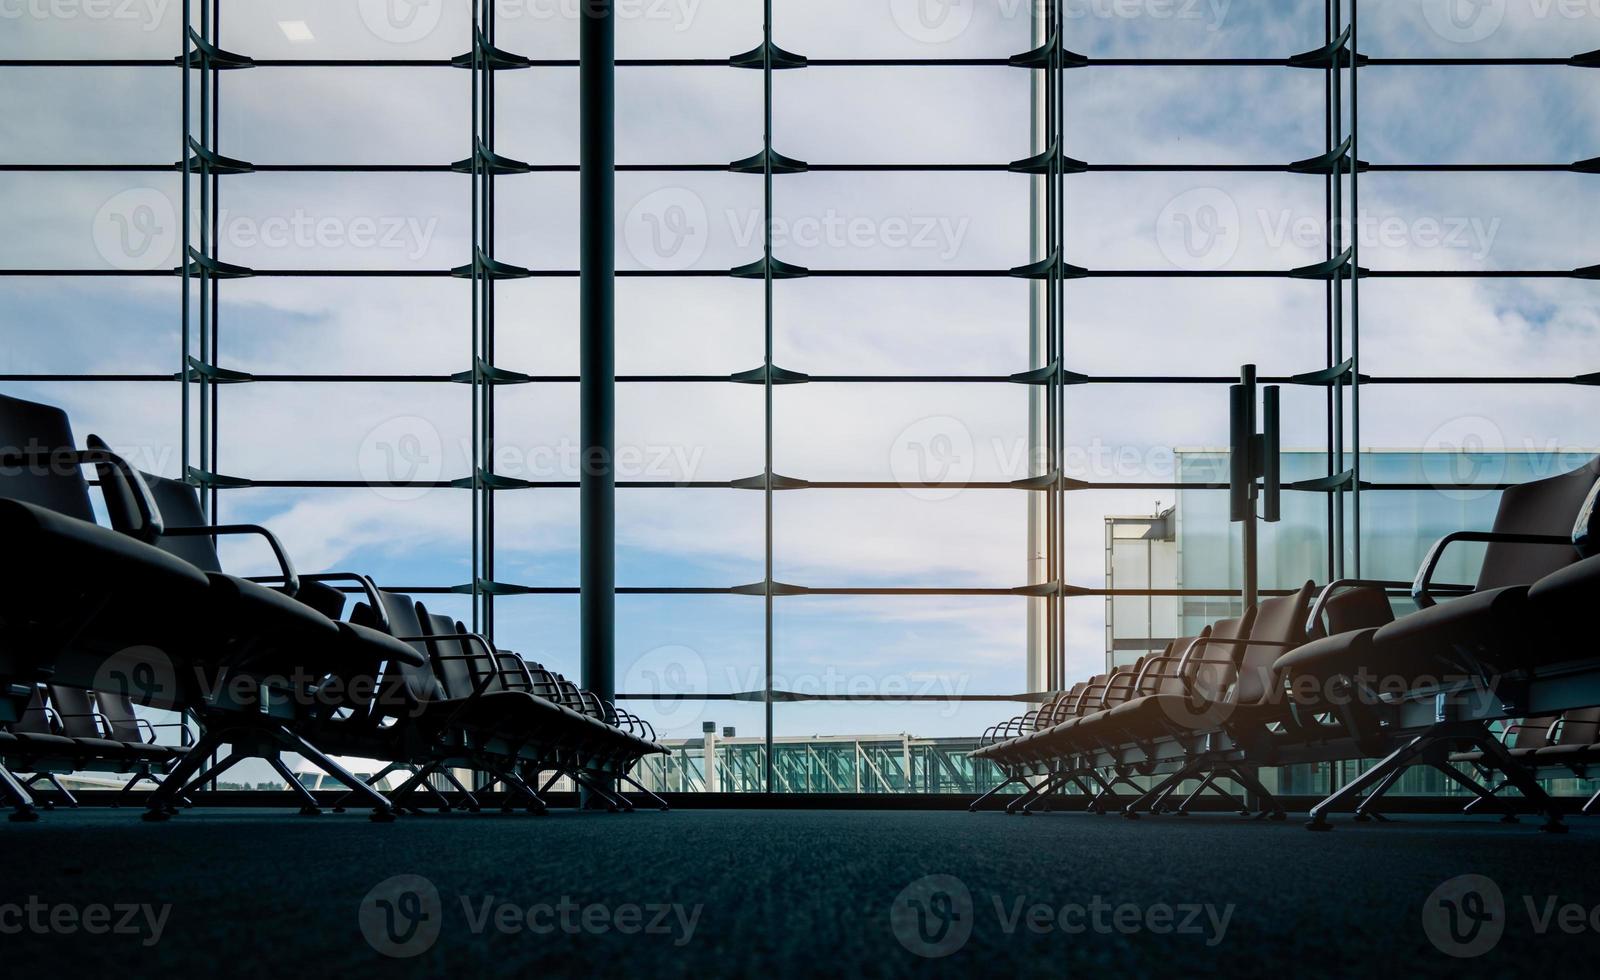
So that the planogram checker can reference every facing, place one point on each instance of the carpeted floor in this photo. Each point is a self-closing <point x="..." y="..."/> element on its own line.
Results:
<point x="769" y="893"/>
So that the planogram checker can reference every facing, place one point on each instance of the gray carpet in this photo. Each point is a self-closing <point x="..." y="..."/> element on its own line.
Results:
<point x="787" y="893"/>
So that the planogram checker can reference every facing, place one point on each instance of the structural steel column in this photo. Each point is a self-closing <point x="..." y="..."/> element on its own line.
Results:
<point x="597" y="345"/>
<point x="1039" y="652"/>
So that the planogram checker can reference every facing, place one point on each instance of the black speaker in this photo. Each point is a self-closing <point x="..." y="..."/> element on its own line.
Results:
<point x="1241" y="430"/>
<point x="1271" y="468"/>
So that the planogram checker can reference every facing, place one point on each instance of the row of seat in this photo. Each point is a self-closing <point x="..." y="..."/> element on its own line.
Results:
<point x="268" y="664"/>
<point x="1331" y="674"/>
<point x="67" y="730"/>
<point x="1553" y="745"/>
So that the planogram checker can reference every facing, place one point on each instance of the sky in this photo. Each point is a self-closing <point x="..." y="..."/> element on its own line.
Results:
<point x="711" y="221"/>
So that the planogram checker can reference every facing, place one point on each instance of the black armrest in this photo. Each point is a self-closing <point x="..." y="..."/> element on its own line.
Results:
<point x="101" y="723"/>
<point x="1314" y="621"/>
<point x="1138" y="682"/>
<point x="186" y="739"/>
<point x="478" y="688"/>
<point x="379" y="614"/>
<point x="1422" y="588"/>
<point x="291" y="581"/>
<point x="144" y="501"/>
<point x="591" y="697"/>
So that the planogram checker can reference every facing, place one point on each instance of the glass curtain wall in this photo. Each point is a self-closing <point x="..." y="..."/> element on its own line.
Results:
<point x="912" y="297"/>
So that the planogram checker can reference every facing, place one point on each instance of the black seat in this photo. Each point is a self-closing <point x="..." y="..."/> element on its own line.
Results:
<point x="264" y="646"/>
<point x="71" y="592"/>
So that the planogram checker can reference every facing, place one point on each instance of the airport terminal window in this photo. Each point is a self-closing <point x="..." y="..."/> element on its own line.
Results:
<point x="907" y="294"/>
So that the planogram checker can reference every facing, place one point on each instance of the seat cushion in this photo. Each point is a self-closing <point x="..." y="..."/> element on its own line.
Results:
<point x="252" y="604"/>
<point x="62" y="549"/>
<point x="377" y="646"/>
<point x="1329" y="656"/>
<point x="1157" y="715"/>
<point x="1566" y="753"/>
<point x="105" y="748"/>
<point x="1430" y="642"/>
<point x="1564" y="604"/>
<point x="32" y="742"/>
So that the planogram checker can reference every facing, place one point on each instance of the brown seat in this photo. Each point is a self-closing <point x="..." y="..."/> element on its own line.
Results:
<point x="1531" y="539"/>
<point x="1524" y="737"/>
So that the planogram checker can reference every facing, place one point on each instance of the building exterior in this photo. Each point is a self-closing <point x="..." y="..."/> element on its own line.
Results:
<point x="1191" y="546"/>
<point x="723" y="762"/>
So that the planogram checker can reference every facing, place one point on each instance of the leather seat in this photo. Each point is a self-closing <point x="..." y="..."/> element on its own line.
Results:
<point x="1430" y="641"/>
<point x="272" y="609"/>
<point x="64" y="550"/>
<point x="1565" y="602"/>
<point x="1330" y="656"/>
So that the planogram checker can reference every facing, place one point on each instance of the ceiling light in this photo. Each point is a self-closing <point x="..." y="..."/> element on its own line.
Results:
<point x="296" y="30"/>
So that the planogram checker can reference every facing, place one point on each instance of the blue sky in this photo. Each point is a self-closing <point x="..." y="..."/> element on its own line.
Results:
<point x="713" y="431"/>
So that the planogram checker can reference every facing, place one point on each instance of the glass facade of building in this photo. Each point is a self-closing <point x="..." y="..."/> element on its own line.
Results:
<point x="912" y="297"/>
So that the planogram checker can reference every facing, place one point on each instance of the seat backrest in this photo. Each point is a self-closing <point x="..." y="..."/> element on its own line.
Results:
<point x="74" y="712"/>
<point x="1058" y="707"/>
<point x="1358" y="609"/>
<point x="179" y="504"/>
<point x="454" y="661"/>
<point x="1578" y="728"/>
<point x="1089" y="698"/>
<point x="322" y="597"/>
<point x="1280" y="626"/>
<point x="42" y="432"/>
<point x="1530" y="733"/>
<point x="512" y="672"/>
<point x="1213" y="665"/>
<point x="1121" y="686"/>
<point x="118" y="712"/>
<point x="34" y="719"/>
<point x="572" y="697"/>
<point x="544" y="683"/>
<point x="1164" y="676"/>
<point x="418" y="682"/>
<point x="1550" y="506"/>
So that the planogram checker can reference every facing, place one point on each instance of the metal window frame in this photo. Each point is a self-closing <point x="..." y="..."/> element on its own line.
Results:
<point x="202" y="166"/>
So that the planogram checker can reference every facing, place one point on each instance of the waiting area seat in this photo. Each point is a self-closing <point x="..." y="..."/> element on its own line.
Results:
<point x="264" y="665"/>
<point x="1331" y="674"/>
